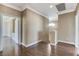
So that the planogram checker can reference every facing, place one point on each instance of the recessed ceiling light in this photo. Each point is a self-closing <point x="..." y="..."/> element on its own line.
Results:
<point x="51" y="6"/>
<point x="52" y="24"/>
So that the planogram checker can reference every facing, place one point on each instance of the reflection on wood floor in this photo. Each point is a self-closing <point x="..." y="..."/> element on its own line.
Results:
<point x="40" y="49"/>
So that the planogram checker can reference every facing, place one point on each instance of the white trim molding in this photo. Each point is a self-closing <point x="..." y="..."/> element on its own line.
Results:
<point x="31" y="43"/>
<point x="32" y="9"/>
<point x="13" y="7"/>
<point x="77" y="30"/>
<point x="66" y="42"/>
<point x="53" y="44"/>
<point x="24" y="7"/>
<point x="66" y="11"/>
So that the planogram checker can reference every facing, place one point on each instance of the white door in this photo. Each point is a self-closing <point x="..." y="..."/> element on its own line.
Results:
<point x="16" y="34"/>
<point x="77" y="33"/>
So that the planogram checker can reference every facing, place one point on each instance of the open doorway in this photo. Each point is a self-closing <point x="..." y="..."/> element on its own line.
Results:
<point x="7" y="27"/>
<point x="53" y="32"/>
<point x="10" y="31"/>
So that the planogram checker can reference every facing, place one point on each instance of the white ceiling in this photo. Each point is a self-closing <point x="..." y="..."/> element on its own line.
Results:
<point x="44" y="8"/>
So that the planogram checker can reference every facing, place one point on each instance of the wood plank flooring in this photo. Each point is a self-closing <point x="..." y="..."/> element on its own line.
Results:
<point x="40" y="49"/>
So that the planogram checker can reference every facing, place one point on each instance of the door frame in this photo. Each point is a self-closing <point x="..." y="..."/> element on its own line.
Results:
<point x="77" y="32"/>
<point x="18" y="18"/>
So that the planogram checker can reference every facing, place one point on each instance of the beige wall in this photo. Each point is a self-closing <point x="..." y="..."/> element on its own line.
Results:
<point x="66" y="27"/>
<point x="32" y="24"/>
<point x="77" y="7"/>
<point x="44" y="36"/>
<point x="9" y="11"/>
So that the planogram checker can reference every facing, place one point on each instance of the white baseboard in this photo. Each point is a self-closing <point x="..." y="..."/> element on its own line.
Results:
<point x="31" y="43"/>
<point x="53" y="44"/>
<point x="66" y="42"/>
<point x="77" y="50"/>
<point x="76" y="46"/>
<point x="1" y="49"/>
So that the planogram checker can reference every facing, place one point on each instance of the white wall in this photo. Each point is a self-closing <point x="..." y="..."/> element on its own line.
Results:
<point x="7" y="26"/>
<point x="0" y="31"/>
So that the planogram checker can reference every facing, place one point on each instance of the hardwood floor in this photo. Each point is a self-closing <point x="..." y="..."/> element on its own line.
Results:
<point x="40" y="49"/>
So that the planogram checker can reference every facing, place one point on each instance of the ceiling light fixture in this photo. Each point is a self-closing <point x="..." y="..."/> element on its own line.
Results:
<point x="52" y="24"/>
<point x="51" y="6"/>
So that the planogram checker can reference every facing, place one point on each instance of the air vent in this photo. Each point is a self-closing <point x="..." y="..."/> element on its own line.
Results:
<point x="61" y="7"/>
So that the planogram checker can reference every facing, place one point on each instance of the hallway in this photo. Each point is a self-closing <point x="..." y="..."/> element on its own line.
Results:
<point x="40" y="49"/>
